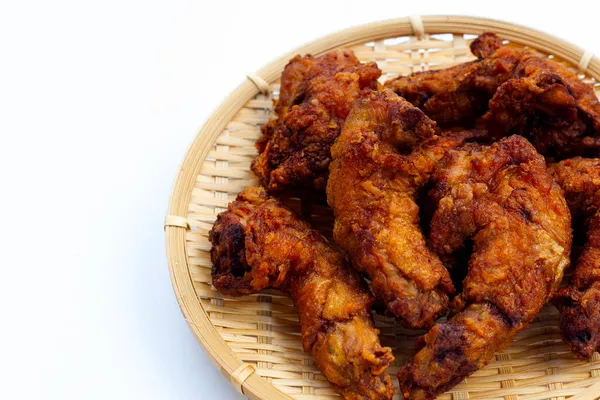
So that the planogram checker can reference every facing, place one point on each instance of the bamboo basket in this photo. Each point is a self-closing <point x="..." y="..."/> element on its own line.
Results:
<point x="255" y="340"/>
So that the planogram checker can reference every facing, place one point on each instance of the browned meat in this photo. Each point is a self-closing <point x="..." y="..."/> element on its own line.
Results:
<point x="315" y="97"/>
<point x="375" y="176"/>
<point x="258" y="243"/>
<point x="514" y="91"/>
<point x="579" y="303"/>
<point x="503" y="199"/>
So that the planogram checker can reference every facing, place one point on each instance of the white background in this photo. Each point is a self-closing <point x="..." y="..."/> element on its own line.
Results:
<point x="98" y="103"/>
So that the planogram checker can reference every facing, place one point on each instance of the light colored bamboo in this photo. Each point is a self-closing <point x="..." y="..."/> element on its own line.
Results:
<point x="254" y="339"/>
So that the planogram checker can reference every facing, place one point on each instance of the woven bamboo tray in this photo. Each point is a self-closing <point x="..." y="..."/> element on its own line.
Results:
<point x="255" y="340"/>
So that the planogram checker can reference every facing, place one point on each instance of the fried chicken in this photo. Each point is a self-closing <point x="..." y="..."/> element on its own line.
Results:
<point x="315" y="97"/>
<point x="502" y="198"/>
<point x="549" y="105"/>
<point x="458" y="95"/>
<point x="258" y="243"/>
<point x="455" y="95"/>
<point x="579" y="303"/>
<point x="510" y="91"/>
<point x="374" y="180"/>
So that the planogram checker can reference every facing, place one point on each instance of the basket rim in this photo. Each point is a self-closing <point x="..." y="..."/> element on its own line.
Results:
<point x="254" y="387"/>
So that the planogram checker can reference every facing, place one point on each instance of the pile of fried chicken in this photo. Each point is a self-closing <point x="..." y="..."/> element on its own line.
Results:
<point x="456" y="193"/>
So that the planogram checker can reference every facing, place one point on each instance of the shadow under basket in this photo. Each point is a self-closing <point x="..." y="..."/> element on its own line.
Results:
<point x="255" y="340"/>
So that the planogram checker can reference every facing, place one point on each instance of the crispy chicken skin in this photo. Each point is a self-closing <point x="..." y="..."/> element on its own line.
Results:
<point x="420" y="87"/>
<point x="502" y="198"/>
<point x="453" y="95"/>
<point x="514" y="91"/>
<point x="373" y="184"/>
<point x="548" y="104"/>
<point x="258" y="243"/>
<point x="315" y="97"/>
<point x="579" y="303"/>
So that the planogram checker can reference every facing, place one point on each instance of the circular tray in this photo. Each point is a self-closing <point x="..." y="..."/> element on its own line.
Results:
<point x="255" y="340"/>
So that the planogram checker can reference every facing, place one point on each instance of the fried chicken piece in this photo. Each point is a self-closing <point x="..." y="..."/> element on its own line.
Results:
<point x="505" y="200"/>
<point x="579" y="303"/>
<point x="258" y="243"/>
<point x="519" y="91"/>
<point x="485" y="45"/>
<point x="456" y="95"/>
<point x="373" y="184"/>
<point x="315" y="97"/>
<point x="549" y="105"/>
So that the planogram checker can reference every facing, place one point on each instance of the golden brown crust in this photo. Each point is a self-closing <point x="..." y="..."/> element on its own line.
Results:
<point x="315" y="97"/>
<point x="437" y="94"/>
<point x="547" y="103"/>
<point x="372" y="190"/>
<point x="485" y="45"/>
<point x="579" y="303"/>
<point x="519" y="91"/>
<point x="459" y="95"/>
<point x="504" y="199"/>
<point x="451" y="351"/>
<point x="258" y="243"/>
